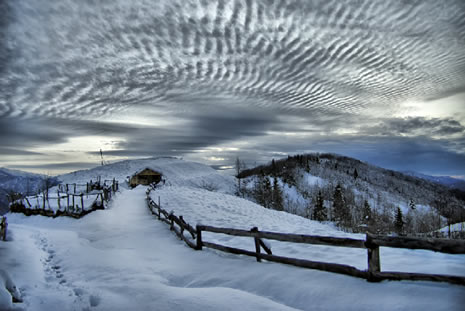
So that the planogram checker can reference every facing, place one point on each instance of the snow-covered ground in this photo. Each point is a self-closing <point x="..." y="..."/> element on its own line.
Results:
<point x="123" y="258"/>
<point x="223" y="210"/>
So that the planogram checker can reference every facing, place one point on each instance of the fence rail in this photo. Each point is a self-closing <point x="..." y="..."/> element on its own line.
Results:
<point x="68" y="201"/>
<point x="372" y="243"/>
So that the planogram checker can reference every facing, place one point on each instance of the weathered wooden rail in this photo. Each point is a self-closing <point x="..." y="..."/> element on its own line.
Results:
<point x="3" y="228"/>
<point x="69" y="202"/>
<point x="371" y="243"/>
<point x="172" y="220"/>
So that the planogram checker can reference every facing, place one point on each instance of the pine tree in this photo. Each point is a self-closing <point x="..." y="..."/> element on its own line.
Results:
<point x="267" y="192"/>
<point x="399" y="222"/>
<point x="341" y="214"/>
<point x="277" y="196"/>
<point x="355" y="174"/>
<point x="319" y="212"/>
<point x="366" y="213"/>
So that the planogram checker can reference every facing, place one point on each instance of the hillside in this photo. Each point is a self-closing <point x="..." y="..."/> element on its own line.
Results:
<point x="123" y="258"/>
<point x="424" y="203"/>
<point x="175" y="171"/>
<point x="15" y="181"/>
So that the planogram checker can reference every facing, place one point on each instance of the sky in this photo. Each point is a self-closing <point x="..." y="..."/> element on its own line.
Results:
<point x="212" y="80"/>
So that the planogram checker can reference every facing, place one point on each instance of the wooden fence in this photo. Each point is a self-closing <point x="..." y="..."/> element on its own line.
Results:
<point x="3" y="228"/>
<point x="372" y="244"/>
<point x="69" y="202"/>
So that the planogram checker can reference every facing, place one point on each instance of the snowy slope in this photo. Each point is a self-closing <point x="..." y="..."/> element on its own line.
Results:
<point x="17" y="181"/>
<point x="175" y="171"/>
<point x="223" y="210"/>
<point x="123" y="258"/>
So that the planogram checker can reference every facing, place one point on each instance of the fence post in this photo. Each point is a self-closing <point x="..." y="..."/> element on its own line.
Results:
<point x="199" y="238"/>
<point x="373" y="259"/>
<point x="74" y="205"/>
<point x="82" y="202"/>
<point x="257" y="244"/>
<point x="182" y="222"/>
<point x="3" y="228"/>
<point x="58" y="199"/>
<point x="170" y="217"/>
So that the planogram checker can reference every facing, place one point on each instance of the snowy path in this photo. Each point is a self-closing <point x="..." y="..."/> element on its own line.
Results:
<point x="124" y="259"/>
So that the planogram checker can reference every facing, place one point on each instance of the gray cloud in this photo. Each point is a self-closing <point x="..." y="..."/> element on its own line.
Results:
<point x="209" y="73"/>
<point x="418" y="126"/>
<point x="54" y="166"/>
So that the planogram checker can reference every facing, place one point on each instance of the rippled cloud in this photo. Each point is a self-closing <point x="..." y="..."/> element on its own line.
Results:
<point x="184" y="77"/>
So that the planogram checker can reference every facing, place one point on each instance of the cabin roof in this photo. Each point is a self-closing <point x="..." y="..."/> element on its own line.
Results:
<point x="147" y="171"/>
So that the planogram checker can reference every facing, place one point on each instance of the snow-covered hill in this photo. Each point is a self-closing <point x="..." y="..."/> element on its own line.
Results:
<point x="301" y="178"/>
<point x="175" y="171"/>
<point x="123" y="258"/>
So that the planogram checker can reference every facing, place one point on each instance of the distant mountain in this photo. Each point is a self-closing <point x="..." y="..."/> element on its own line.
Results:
<point x="453" y="183"/>
<point x="19" y="182"/>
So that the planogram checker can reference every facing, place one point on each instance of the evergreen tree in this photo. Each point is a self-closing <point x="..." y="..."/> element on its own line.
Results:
<point x="341" y="214"/>
<point x="355" y="174"/>
<point x="277" y="196"/>
<point x="267" y="192"/>
<point x="399" y="222"/>
<point x="319" y="212"/>
<point x="366" y="213"/>
<point x="273" y="167"/>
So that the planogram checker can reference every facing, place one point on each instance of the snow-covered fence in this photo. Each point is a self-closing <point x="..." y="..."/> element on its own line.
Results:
<point x="371" y="243"/>
<point x="3" y="228"/>
<point x="172" y="220"/>
<point x="74" y="200"/>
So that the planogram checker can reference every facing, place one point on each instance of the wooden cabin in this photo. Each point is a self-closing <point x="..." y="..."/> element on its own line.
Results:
<point x="145" y="177"/>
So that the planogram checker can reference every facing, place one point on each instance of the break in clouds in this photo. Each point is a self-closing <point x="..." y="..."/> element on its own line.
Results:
<point x="210" y="80"/>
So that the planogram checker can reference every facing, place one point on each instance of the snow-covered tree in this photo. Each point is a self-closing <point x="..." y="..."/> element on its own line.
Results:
<point x="399" y="222"/>
<point x="277" y="196"/>
<point x="366" y="213"/>
<point x="319" y="211"/>
<point x="341" y="214"/>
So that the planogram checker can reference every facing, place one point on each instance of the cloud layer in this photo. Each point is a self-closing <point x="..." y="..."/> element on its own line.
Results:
<point x="185" y="77"/>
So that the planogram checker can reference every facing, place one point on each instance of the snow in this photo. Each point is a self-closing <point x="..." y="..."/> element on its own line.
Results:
<point x="175" y="171"/>
<point x="123" y="258"/>
<point x="313" y="180"/>
<point x="223" y="210"/>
